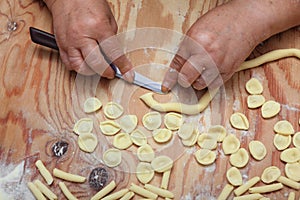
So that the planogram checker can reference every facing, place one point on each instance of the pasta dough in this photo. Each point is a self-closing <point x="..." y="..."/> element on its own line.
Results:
<point x="253" y="86"/>
<point x="138" y="137"/>
<point x="35" y="191"/>
<point x="270" y="174"/>
<point x="257" y="150"/>
<point x="162" y="135"/>
<point x="207" y="141"/>
<point x="239" y="121"/>
<point x="68" y="176"/>
<point x="240" y="158"/>
<point x="292" y="171"/>
<point x="45" y="190"/>
<point x="122" y="141"/>
<point x="191" y="141"/>
<point x="243" y="188"/>
<point x="296" y="140"/>
<point x="270" y="109"/>
<point x="112" y="157"/>
<point x="230" y="144"/>
<point x="173" y="121"/>
<point x="159" y="191"/>
<point x="255" y="101"/>
<point x="66" y="191"/>
<point x="152" y="120"/>
<point x="282" y="142"/>
<point x="128" y="123"/>
<point x="113" y="110"/>
<point x="84" y="125"/>
<point x="87" y="142"/>
<point x="145" y="153"/>
<point x="106" y="190"/>
<point x="161" y="164"/>
<point x="205" y="156"/>
<point x="218" y="131"/>
<point x="290" y="155"/>
<point x="44" y="172"/>
<point x="144" y="172"/>
<point x="234" y="176"/>
<point x="109" y="127"/>
<point x="186" y="130"/>
<point x="284" y="127"/>
<point x="92" y="104"/>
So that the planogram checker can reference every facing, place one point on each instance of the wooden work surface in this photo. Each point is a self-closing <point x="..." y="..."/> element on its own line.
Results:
<point x="41" y="101"/>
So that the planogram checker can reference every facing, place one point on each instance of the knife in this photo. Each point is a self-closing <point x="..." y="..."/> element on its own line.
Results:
<point x="48" y="40"/>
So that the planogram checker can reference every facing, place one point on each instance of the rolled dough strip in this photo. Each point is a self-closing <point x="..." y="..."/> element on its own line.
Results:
<point x="67" y="176"/>
<point x="66" y="191"/>
<point x="209" y="95"/>
<point x="35" y="191"/>
<point x="44" y="172"/>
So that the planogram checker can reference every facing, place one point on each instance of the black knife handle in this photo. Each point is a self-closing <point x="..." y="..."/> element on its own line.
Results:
<point x="43" y="38"/>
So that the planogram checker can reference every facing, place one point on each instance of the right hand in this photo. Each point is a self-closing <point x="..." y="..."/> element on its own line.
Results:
<point x="80" y="27"/>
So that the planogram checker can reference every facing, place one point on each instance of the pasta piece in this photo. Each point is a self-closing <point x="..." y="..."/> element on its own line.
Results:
<point x="109" y="127"/>
<point x="282" y="142"/>
<point x="234" y="176"/>
<point x="66" y="191"/>
<point x="249" y="197"/>
<point x="138" y="137"/>
<point x="270" y="109"/>
<point x="205" y="156"/>
<point x="116" y="195"/>
<point x="239" y="121"/>
<point x="162" y="135"/>
<point x="186" y="130"/>
<point x="292" y="171"/>
<point x="270" y="174"/>
<point x="92" y="104"/>
<point x="143" y="192"/>
<point x="145" y="153"/>
<point x="144" y="172"/>
<point x="84" y="125"/>
<point x="219" y="132"/>
<point x="284" y="127"/>
<point x="253" y="86"/>
<point x="87" y="142"/>
<point x="152" y="120"/>
<point x="159" y="191"/>
<point x="67" y="176"/>
<point x="165" y="179"/>
<point x="290" y="155"/>
<point x="104" y="191"/>
<point x="35" y="191"/>
<point x="243" y="188"/>
<point x="127" y="196"/>
<point x="288" y="182"/>
<point x="173" y="121"/>
<point x="113" y="110"/>
<point x="266" y="188"/>
<point x="128" y="123"/>
<point x="207" y="141"/>
<point x="240" y="158"/>
<point x="292" y="196"/>
<point x="44" y="172"/>
<point x="257" y="150"/>
<point x="122" y="141"/>
<point x="296" y="140"/>
<point x="255" y="101"/>
<point x="112" y="157"/>
<point x="45" y="190"/>
<point x="225" y="192"/>
<point x="230" y="144"/>
<point x="191" y="141"/>
<point x="161" y="164"/>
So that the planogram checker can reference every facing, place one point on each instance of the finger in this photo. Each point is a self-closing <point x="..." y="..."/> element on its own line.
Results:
<point x="210" y="77"/>
<point x="77" y="63"/>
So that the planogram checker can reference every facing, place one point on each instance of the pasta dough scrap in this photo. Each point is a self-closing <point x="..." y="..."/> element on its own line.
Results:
<point x="66" y="191"/>
<point x="282" y="142"/>
<point x="270" y="174"/>
<point x="191" y="141"/>
<point x="173" y="121"/>
<point x="290" y="155"/>
<point x="239" y="121"/>
<point x="44" y="172"/>
<point x="207" y="141"/>
<point x="292" y="171"/>
<point x="270" y="109"/>
<point x="186" y="130"/>
<point x="112" y="157"/>
<point x="138" y="137"/>
<point x="87" y="142"/>
<point x="205" y="156"/>
<point x="296" y="140"/>
<point x="255" y="101"/>
<point x="128" y="123"/>
<point x="253" y="86"/>
<point x="35" y="191"/>
<point x="122" y="141"/>
<point x="152" y="120"/>
<point x="284" y="127"/>
<point x="240" y="158"/>
<point x="162" y="135"/>
<point x="234" y="176"/>
<point x="113" y="110"/>
<point x="230" y="144"/>
<point x="84" y="125"/>
<point x="144" y="172"/>
<point x="266" y="188"/>
<point x="162" y="163"/>
<point x="68" y="176"/>
<point x="218" y="131"/>
<point x="92" y="104"/>
<point x="225" y="192"/>
<point x="109" y="127"/>
<point x="257" y="150"/>
<point x="145" y="153"/>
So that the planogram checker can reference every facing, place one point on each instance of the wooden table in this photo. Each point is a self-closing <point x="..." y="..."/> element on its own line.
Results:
<point x="41" y="101"/>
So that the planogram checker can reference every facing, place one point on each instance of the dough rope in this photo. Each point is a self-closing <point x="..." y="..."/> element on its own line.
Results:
<point x="209" y="95"/>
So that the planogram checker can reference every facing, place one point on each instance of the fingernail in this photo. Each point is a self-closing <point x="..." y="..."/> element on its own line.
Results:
<point x="165" y="89"/>
<point x="182" y="80"/>
<point x="129" y="76"/>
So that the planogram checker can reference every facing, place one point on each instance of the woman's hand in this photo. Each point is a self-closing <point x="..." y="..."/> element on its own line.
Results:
<point x="80" y="27"/>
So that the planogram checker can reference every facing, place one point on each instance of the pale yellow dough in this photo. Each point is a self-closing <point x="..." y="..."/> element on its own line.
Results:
<point x="253" y="86"/>
<point x="230" y="144"/>
<point x="191" y="141"/>
<point x="87" y="142"/>
<point x="145" y="153"/>
<point x="173" y="121"/>
<point x="144" y="172"/>
<point x="234" y="176"/>
<point x="257" y="150"/>
<point x="292" y="171"/>
<point x="109" y="127"/>
<point x="162" y="135"/>
<point x="161" y="164"/>
<point x="138" y="137"/>
<point x="270" y="109"/>
<point x="186" y="130"/>
<point x="290" y="155"/>
<point x="207" y="141"/>
<point x="270" y="174"/>
<point x="239" y="121"/>
<point x="296" y="140"/>
<point x="84" y="125"/>
<point x="112" y="157"/>
<point x="284" y="127"/>
<point x="113" y="110"/>
<point x="92" y="104"/>
<point x="128" y="123"/>
<point x="152" y="120"/>
<point x="205" y="156"/>
<point x="255" y="101"/>
<point x="218" y="131"/>
<point x="282" y="142"/>
<point x="122" y="141"/>
<point x="240" y="158"/>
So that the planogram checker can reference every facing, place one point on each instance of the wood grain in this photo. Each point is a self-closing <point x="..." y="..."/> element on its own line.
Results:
<point x="41" y="100"/>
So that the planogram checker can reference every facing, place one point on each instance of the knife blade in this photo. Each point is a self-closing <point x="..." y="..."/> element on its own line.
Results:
<point x="48" y="40"/>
